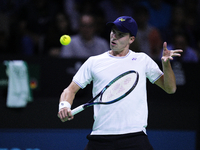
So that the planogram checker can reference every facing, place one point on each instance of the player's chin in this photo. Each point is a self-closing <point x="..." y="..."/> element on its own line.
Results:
<point x="113" y="47"/>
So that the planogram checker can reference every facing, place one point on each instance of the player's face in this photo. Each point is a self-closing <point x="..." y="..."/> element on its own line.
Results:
<point x="120" y="41"/>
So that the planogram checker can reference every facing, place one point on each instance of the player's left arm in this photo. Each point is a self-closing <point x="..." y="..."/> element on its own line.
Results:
<point x="167" y="81"/>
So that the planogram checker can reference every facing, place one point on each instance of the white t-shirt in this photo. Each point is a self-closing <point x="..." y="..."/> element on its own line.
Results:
<point x="130" y="114"/>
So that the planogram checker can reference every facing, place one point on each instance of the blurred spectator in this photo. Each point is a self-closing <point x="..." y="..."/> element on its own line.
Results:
<point x="115" y="8"/>
<point x="101" y="28"/>
<point x="4" y="33"/>
<point x="198" y="43"/>
<point x="3" y="43"/>
<point x="8" y="17"/>
<point x="198" y="47"/>
<point x="198" y="8"/>
<point x="192" y="19"/>
<point x="181" y="22"/>
<point x="192" y="26"/>
<point x="92" y="7"/>
<point x="10" y="7"/>
<point x="177" y="24"/>
<point x="5" y="23"/>
<point x="35" y="19"/>
<point x="60" y="26"/>
<point x="148" y="37"/>
<point x="180" y="41"/>
<point x="86" y="43"/>
<point x="160" y="13"/>
<point x="74" y="9"/>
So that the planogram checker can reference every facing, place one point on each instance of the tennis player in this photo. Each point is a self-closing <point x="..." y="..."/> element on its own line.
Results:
<point x="121" y="125"/>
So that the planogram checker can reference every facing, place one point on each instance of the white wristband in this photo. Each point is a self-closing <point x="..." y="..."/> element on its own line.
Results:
<point x="64" y="104"/>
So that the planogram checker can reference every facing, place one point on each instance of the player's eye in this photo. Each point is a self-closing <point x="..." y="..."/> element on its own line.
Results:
<point x="120" y="34"/>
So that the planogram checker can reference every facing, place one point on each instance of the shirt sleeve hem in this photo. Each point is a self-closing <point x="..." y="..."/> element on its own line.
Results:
<point x="157" y="78"/>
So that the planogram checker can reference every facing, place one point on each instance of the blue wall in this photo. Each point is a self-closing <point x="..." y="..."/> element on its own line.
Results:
<point x="43" y="139"/>
<point x="75" y="139"/>
<point x="172" y="140"/>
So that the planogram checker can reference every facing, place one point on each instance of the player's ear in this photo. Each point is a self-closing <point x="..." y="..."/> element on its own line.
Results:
<point x="132" y="39"/>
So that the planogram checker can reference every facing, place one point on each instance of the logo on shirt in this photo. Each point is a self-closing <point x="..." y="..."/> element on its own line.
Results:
<point x="134" y="58"/>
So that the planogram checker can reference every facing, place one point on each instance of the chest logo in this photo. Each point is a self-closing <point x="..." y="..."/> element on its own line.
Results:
<point x="134" y="58"/>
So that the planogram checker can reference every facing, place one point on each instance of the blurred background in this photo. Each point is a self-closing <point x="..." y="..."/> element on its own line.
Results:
<point x="30" y="31"/>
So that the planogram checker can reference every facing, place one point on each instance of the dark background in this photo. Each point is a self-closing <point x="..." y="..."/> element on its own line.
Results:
<point x="179" y="111"/>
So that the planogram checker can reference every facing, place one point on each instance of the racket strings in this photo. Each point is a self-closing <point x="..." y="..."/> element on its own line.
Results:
<point x="116" y="90"/>
<point x="119" y="88"/>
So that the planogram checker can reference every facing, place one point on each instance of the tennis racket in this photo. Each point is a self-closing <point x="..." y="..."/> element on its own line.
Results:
<point x="116" y="90"/>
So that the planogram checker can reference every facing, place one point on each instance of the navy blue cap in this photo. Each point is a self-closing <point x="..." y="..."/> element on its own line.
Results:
<point x="125" y="24"/>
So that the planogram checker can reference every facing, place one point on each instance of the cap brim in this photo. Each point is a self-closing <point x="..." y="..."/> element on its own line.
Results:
<point x="119" y="26"/>
<point x="110" y="24"/>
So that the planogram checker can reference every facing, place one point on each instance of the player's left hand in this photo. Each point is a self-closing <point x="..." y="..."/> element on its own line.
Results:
<point x="169" y="54"/>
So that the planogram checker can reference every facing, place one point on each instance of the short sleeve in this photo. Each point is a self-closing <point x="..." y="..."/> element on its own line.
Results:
<point x="83" y="77"/>
<point x="153" y="72"/>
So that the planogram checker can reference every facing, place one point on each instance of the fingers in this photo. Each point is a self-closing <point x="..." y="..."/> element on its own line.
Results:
<point x="169" y="54"/>
<point x="165" y="59"/>
<point x="65" y="114"/>
<point x="165" y="45"/>
<point x="176" y="52"/>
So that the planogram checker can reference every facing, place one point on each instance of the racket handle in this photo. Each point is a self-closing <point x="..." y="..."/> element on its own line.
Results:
<point x="77" y="110"/>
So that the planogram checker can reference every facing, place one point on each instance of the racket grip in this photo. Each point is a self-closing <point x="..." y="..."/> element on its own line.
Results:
<point x="77" y="110"/>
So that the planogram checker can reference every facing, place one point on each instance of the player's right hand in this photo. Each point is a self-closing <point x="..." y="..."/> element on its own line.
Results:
<point x="65" y="114"/>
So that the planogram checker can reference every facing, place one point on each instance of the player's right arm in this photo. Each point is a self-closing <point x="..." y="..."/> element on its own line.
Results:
<point x="67" y="96"/>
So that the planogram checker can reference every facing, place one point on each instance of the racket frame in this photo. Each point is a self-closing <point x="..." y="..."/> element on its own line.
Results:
<point x="91" y="103"/>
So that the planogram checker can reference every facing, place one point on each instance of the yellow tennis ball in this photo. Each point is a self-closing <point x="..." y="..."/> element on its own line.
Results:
<point x="65" y="39"/>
